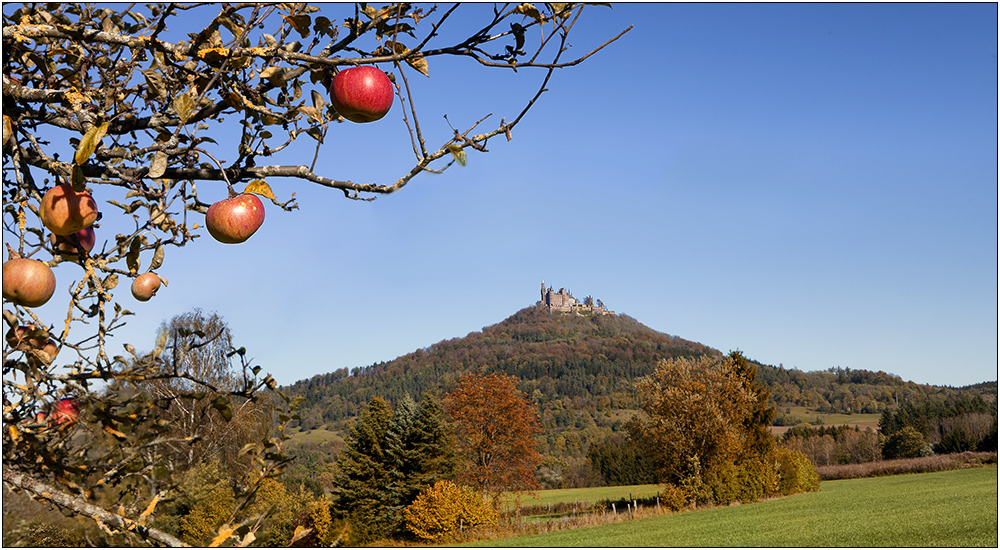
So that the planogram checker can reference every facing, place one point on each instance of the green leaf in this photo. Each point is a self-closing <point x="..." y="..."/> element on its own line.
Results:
<point x="221" y="404"/>
<point x="89" y="143"/>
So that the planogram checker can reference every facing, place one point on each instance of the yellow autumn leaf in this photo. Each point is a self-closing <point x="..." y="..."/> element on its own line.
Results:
<point x="459" y="153"/>
<point x="114" y="432"/>
<point x="260" y="187"/>
<point x="89" y="143"/>
<point x="15" y="434"/>
<point x="224" y="533"/>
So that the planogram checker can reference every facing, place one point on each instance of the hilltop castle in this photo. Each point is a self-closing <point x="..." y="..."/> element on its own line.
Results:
<point x="564" y="302"/>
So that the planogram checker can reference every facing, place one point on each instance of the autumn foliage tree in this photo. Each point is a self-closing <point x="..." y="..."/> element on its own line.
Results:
<point x="495" y="426"/>
<point x="705" y="422"/>
<point x="114" y="112"/>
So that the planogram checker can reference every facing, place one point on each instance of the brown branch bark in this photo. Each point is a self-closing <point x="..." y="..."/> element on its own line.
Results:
<point x="47" y="492"/>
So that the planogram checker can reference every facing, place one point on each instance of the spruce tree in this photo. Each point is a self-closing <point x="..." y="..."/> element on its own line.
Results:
<point x="390" y="458"/>
<point x="365" y="475"/>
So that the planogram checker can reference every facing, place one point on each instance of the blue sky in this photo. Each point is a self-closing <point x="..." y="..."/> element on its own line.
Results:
<point x="815" y="185"/>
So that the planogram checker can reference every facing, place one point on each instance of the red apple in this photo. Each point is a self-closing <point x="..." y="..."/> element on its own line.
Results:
<point x="233" y="220"/>
<point x="145" y="286"/>
<point x="40" y="417"/>
<point x="64" y="211"/>
<point x="66" y="410"/>
<point x="27" y="282"/>
<point x="361" y="94"/>
<point x="65" y="247"/>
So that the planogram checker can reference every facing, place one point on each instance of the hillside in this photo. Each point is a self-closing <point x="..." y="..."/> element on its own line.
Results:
<point x="566" y="362"/>
<point x="580" y="370"/>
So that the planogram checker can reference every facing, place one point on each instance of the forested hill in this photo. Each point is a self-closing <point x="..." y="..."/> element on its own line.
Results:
<point x="565" y="362"/>
<point x="580" y="370"/>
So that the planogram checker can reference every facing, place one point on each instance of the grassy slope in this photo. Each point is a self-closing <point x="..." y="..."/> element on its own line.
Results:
<point x="953" y="508"/>
<point x="590" y="494"/>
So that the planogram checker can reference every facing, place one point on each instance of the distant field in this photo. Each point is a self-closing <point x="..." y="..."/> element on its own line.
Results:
<point x="318" y="436"/>
<point x="590" y="494"/>
<point x="952" y="508"/>
<point x="829" y="419"/>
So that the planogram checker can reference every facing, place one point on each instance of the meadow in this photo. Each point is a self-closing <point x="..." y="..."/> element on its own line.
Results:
<point x="949" y="508"/>
<point x="590" y="495"/>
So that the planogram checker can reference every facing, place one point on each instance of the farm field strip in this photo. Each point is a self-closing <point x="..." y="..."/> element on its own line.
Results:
<point x="590" y="494"/>
<point x="950" y="508"/>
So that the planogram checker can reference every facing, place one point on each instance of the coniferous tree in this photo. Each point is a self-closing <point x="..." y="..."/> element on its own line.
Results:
<point x="365" y="474"/>
<point x="430" y="452"/>
<point x="390" y="458"/>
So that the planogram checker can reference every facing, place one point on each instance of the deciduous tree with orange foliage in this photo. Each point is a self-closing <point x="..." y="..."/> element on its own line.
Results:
<point x="495" y="428"/>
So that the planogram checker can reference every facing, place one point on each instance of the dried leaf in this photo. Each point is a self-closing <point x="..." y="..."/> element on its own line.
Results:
<point x="300" y="23"/>
<point x="8" y="129"/>
<point x="459" y="153"/>
<point x="184" y="106"/>
<point x="77" y="179"/>
<point x="300" y="531"/>
<point x="110" y="282"/>
<point x="260" y="187"/>
<point x="311" y="112"/>
<point x="318" y="101"/>
<point x="231" y="26"/>
<point x="224" y="533"/>
<point x="274" y="75"/>
<point x="155" y="82"/>
<point x="90" y="141"/>
<point x="132" y="258"/>
<point x="159" y="164"/>
<point x="419" y="63"/>
<point x="157" y="257"/>
<point x="531" y="11"/>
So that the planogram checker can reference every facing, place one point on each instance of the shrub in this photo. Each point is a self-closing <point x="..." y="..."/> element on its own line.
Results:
<point x="906" y="443"/>
<point x="673" y="497"/>
<point x="445" y="507"/>
<point x="796" y="474"/>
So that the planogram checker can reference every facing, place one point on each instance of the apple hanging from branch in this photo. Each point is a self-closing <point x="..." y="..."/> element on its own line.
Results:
<point x="361" y="94"/>
<point x="27" y="282"/>
<point x="234" y="220"/>
<point x="65" y="211"/>
<point x="145" y="286"/>
<point x="67" y="249"/>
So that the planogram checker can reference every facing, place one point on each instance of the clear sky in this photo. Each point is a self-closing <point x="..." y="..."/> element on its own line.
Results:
<point x="815" y="185"/>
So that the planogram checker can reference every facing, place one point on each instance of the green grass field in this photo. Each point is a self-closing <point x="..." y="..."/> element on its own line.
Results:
<point x="590" y="494"/>
<point x="951" y="508"/>
<point x="862" y="421"/>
